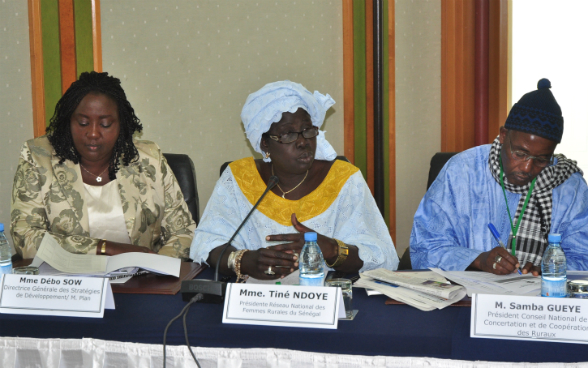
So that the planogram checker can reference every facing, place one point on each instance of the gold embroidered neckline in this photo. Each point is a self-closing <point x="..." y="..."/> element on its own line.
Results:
<point x="281" y="209"/>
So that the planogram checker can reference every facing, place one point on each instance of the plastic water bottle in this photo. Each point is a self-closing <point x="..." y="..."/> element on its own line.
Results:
<point x="5" y="253"/>
<point x="553" y="268"/>
<point x="312" y="269"/>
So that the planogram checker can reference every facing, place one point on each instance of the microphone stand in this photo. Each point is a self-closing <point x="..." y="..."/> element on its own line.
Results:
<point x="214" y="291"/>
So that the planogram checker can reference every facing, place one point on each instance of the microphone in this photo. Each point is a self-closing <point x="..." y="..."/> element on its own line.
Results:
<point x="214" y="291"/>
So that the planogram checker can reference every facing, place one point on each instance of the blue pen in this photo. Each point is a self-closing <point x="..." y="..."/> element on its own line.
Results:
<point x="497" y="237"/>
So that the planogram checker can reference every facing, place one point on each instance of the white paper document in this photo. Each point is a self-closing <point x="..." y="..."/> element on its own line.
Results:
<point x="427" y="275"/>
<point x="413" y="281"/>
<point x="116" y="277"/>
<point x="418" y="299"/>
<point x="93" y="265"/>
<point x="479" y="282"/>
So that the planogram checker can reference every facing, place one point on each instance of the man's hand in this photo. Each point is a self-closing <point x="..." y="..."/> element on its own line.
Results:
<point x="535" y="270"/>
<point x="497" y="261"/>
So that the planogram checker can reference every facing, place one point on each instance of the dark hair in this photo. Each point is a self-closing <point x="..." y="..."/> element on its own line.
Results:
<point x="59" y="129"/>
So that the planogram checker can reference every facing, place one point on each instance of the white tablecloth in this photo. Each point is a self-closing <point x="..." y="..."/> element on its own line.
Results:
<point x="91" y="353"/>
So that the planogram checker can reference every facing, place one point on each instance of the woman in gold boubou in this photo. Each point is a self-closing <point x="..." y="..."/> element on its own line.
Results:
<point x="315" y="193"/>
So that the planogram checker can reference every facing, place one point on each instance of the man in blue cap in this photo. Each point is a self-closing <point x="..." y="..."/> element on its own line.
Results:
<point x="515" y="183"/>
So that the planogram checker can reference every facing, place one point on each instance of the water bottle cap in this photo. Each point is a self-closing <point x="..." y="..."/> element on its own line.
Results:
<point x="309" y="236"/>
<point x="554" y="238"/>
<point x="1" y="226"/>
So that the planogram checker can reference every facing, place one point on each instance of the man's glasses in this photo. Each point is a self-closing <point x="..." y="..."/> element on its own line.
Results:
<point x="522" y="156"/>
<point x="293" y="136"/>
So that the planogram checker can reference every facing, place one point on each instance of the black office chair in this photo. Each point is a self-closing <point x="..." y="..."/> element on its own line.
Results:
<point x="437" y="162"/>
<point x="224" y="166"/>
<point x="183" y="168"/>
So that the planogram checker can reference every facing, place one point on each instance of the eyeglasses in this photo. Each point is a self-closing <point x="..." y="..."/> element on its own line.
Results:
<point x="293" y="136"/>
<point x="522" y="156"/>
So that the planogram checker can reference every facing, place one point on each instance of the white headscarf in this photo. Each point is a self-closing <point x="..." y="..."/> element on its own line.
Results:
<point x="265" y="107"/>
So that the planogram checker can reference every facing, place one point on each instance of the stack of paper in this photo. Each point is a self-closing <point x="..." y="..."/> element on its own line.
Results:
<point x="479" y="282"/>
<point x="423" y="290"/>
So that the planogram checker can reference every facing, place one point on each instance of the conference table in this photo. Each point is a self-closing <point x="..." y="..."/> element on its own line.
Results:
<point x="377" y="330"/>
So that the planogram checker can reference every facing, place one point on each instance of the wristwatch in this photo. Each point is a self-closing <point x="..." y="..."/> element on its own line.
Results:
<point x="343" y="253"/>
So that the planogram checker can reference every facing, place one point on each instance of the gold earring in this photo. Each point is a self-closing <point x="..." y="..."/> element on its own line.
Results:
<point x="266" y="155"/>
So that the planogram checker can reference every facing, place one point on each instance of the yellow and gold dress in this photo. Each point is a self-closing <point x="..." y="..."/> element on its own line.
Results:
<point x="340" y="207"/>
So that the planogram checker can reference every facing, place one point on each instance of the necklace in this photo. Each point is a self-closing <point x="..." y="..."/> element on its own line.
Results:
<point x="98" y="177"/>
<point x="291" y="190"/>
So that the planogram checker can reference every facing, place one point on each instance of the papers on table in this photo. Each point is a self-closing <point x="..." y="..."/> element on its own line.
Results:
<point x="423" y="290"/>
<point x="479" y="282"/>
<point x="103" y="266"/>
<point x="412" y="280"/>
<point x="117" y="277"/>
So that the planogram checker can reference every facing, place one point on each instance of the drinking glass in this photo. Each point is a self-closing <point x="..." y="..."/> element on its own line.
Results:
<point x="347" y="291"/>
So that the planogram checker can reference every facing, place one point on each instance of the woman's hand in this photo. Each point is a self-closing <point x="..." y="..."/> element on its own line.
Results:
<point x="113" y="248"/>
<point x="268" y="263"/>
<point x="328" y="246"/>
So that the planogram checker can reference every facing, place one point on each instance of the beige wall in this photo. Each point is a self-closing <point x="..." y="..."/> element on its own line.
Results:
<point x="418" y="105"/>
<point x="188" y="66"/>
<point x="16" y="114"/>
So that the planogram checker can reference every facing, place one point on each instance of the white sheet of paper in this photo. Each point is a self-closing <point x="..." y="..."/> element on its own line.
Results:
<point x="51" y="252"/>
<point x="480" y="282"/>
<point x="88" y="264"/>
<point x="422" y="301"/>
<point x="151" y="262"/>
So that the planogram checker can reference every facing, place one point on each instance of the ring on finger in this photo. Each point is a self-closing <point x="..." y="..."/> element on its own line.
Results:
<point x="498" y="259"/>
<point x="494" y="265"/>
<point x="269" y="271"/>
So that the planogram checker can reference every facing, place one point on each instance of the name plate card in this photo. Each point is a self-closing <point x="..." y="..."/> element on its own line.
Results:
<point x="529" y="318"/>
<point x="280" y="305"/>
<point x="55" y="295"/>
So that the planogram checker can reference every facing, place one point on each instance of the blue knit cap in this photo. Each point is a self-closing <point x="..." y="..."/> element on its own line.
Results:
<point x="537" y="113"/>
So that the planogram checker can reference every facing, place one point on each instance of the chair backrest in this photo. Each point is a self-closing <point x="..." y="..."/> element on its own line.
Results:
<point x="183" y="168"/>
<point x="437" y="162"/>
<point x="224" y="166"/>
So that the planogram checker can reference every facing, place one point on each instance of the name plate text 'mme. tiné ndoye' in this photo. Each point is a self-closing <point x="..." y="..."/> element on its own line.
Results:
<point x="281" y="305"/>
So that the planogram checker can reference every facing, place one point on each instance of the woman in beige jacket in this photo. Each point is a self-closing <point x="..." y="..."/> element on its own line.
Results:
<point x="93" y="187"/>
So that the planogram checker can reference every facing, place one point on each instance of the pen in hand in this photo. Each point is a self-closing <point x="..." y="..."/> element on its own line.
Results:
<point x="497" y="237"/>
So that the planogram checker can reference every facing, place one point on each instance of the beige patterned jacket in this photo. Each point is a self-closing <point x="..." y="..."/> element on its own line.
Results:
<point x="49" y="197"/>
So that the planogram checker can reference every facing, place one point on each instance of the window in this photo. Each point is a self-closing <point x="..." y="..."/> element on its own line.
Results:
<point x="550" y="40"/>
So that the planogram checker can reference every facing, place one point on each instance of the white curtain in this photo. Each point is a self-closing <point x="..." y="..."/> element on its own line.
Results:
<point x="91" y="353"/>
